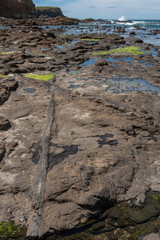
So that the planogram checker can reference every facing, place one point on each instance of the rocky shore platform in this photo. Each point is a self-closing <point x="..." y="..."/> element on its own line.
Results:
<point x="79" y="135"/>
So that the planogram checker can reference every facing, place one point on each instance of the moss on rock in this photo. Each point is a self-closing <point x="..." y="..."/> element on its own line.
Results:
<point x="10" y="230"/>
<point x="130" y="50"/>
<point x="44" y="77"/>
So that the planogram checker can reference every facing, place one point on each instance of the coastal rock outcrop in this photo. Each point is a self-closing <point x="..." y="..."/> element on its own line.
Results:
<point x="17" y="8"/>
<point x="83" y="143"/>
<point x="49" y="12"/>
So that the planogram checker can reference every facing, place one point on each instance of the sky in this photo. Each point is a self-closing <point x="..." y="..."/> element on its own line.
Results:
<point x="106" y="9"/>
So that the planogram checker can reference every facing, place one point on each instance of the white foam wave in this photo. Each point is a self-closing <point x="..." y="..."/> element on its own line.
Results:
<point x="130" y="24"/>
<point x="131" y="28"/>
<point x="122" y="19"/>
<point x="139" y="22"/>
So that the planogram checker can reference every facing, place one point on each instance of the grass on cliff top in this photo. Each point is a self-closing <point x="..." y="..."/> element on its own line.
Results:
<point x="131" y="50"/>
<point x="45" y="8"/>
<point x="44" y="77"/>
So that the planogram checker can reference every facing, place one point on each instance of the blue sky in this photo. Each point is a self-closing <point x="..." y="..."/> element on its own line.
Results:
<point x="106" y="9"/>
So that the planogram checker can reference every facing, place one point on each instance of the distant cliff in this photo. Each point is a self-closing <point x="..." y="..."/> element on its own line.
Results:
<point x="49" y="12"/>
<point x="17" y="8"/>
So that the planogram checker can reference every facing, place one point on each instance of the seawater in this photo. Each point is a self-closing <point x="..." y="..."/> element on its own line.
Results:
<point x="147" y="30"/>
<point x="144" y="29"/>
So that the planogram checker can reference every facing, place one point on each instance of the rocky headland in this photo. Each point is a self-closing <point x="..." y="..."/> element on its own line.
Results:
<point x="79" y="135"/>
<point x="17" y="8"/>
<point x="49" y="12"/>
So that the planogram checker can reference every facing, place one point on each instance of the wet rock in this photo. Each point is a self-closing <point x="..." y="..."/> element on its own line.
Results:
<point x="120" y="30"/>
<point x="138" y="41"/>
<point x="101" y="63"/>
<point x="4" y="94"/>
<point x="132" y="33"/>
<point x="10" y="83"/>
<point x="2" y="151"/>
<point x="4" y="123"/>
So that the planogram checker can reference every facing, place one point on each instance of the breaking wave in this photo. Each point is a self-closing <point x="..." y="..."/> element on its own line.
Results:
<point x="122" y="19"/>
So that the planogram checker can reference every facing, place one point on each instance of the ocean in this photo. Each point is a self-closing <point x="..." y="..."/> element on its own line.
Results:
<point x="147" y="30"/>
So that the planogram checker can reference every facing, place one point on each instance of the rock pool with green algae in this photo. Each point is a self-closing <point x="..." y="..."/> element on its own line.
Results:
<point x="121" y="222"/>
<point x="130" y="50"/>
<point x="44" y="77"/>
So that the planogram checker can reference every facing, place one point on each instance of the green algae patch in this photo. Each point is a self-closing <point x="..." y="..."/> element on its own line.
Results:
<point x="5" y="53"/>
<point x="156" y="197"/>
<point x="60" y="35"/>
<point x="35" y="53"/>
<point x="29" y="44"/>
<point x="131" y="50"/>
<point x="43" y="77"/>
<point x="10" y="230"/>
<point x="8" y="75"/>
<point x="90" y="40"/>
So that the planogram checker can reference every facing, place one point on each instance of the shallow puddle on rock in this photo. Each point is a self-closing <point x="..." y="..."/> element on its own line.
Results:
<point x="74" y="42"/>
<point x="5" y="27"/>
<point x="60" y="47"/>
<point x="21" y="82"/>
<point x="111" y="59"/>
<point x="74" y="86"/>
<point x="72" y="72"/>
<point x="128" y="59"/>
<point x="148" y="65"/>
<point x="69" y="45"/>
<point x="120" y="85"/>
<point x="29" y="90"/>
<point x="89" y="62"/>
<point x="143" y="61"/>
